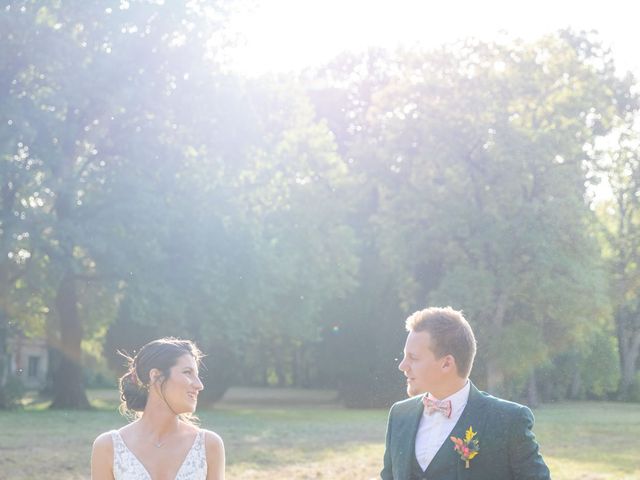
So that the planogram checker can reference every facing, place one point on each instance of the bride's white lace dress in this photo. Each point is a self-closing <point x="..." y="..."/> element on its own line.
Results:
<point x="127" y="467"/>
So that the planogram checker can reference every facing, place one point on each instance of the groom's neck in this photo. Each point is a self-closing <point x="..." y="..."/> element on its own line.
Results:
<point x="448" y="387"/>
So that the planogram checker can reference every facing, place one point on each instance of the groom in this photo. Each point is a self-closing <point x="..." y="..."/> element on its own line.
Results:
<point x="448" y="429"/>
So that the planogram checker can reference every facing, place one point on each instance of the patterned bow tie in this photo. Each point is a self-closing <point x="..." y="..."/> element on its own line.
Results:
<point x="432" y="405"/>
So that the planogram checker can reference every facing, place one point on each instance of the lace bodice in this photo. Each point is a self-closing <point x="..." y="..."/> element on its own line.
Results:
<point x="126" y="466"/>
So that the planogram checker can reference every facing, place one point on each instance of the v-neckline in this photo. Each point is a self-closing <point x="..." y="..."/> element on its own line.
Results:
<point x="182" y="464"/>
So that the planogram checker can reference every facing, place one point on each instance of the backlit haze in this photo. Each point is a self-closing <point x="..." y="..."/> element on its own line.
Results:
<point x="284" y="35"/>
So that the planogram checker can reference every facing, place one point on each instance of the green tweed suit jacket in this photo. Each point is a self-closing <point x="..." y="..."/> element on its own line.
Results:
<point x="507" y="446"/>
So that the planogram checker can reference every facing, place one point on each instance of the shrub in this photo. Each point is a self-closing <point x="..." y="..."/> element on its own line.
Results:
<point x="12" y="392"/>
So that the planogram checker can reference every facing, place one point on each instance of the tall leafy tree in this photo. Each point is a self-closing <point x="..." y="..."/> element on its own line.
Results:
<point x="20" y="196"/>
<point x="492" y="148"/>
<point x="617" y="166"/>
<point x="291" y="198"/>
<point x="475" y="155"/>
<point x="93" y="88"/>
<point x="363" y="333"/>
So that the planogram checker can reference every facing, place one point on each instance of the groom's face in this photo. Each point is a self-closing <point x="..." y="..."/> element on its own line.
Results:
<point x="423" y="370"/>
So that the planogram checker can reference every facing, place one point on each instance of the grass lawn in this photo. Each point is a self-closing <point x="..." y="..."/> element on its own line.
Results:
<point x="579" y="440"/>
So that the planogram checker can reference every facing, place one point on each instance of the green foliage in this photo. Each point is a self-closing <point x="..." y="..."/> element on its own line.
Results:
<point x="363" y="340"/>
<point x="289" y="225"/>
<point x="473" y="155"/>
<point x="600" y="367"/>
<point x="616" y="165"/>
<point x="634" y="390"/>
<point x="589" y="370"/>
<point x="12" y="392"/>
<point x="162" y="185"/>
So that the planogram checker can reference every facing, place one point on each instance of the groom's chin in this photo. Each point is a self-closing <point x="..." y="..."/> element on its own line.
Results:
<point x="412" y="391"/>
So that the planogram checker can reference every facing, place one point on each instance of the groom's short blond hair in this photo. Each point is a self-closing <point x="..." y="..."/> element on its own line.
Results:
<point x="450" y="334"/>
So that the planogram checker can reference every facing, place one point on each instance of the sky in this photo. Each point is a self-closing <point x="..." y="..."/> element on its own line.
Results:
<point x="285" y="35"/>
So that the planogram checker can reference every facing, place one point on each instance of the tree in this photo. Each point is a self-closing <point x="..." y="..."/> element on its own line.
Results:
<point x="363" y="332"/>
<point x="290" y="199"/>
<point x="93" y="89"/>
<point x="20" y="202"/>
<point x="617" y="166"/>
<point x="496" y="146"/>
<point x="475" y="156"/>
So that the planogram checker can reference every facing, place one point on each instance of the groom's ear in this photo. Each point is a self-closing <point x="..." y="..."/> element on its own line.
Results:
<point x="449" y="363"/>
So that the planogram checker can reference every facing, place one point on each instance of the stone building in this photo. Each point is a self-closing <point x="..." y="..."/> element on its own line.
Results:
<point x="28" y="360"/>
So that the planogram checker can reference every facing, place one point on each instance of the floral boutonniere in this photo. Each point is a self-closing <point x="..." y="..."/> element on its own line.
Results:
<point x="468" y="447"/>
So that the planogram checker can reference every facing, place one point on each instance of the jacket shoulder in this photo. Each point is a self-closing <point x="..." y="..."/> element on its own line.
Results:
<point x="406" y="405"/>
<point x="505" y="407"/>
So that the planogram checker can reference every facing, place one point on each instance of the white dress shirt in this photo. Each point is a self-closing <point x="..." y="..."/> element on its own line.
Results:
<point x="435" y="429"/>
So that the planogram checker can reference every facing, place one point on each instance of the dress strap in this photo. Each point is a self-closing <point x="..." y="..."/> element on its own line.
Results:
<point x="115" y="438"/>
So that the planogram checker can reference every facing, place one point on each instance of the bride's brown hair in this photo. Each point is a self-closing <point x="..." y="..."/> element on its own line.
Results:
<point x="161" y="354"/>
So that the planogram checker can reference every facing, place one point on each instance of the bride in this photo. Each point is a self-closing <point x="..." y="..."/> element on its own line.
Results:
<point x="161" y="391"/>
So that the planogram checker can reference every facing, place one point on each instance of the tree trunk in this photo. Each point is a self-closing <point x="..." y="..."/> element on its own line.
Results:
<point x="4" y="358"/>
<point x="5" y="362"/>
<point x="628" y="363"/>
<point x="280" y="373"/>
<point x="575" y="390"/>
<point x="629" y="351"/>
<point x="297" y="366"/>
<point x="495" y="377"/>
<point x="495" y="371"/>
<point x="533" y="398"/>
<point x="68" y="385"/>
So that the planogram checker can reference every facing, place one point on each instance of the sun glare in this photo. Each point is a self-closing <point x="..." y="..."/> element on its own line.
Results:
<point x="284" y="35"/>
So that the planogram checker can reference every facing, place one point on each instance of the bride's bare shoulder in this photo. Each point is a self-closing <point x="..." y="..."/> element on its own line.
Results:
<point x="102" y="457"/>
<point x="212" y="438"/>
<point x="214" y="448"/>
<point x="103" y="443"/>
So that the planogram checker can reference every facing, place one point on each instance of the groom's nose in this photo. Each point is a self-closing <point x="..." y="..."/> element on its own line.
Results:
<point x="401" y="365"/>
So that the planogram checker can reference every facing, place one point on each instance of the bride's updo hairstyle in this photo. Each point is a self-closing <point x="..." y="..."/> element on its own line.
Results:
<point x="161" y="354"/>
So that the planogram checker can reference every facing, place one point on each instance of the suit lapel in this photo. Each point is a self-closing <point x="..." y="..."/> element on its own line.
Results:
<point x="408" y="436"/>
<point x="446" y="457"/>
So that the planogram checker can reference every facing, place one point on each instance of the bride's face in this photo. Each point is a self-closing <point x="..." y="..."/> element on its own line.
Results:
<point x="182" y="387"/>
